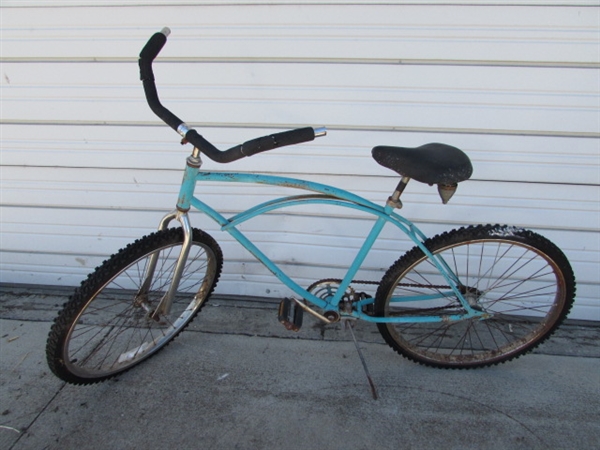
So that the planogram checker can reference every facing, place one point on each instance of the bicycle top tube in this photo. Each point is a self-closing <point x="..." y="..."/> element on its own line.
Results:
<point x="275" y="180"/>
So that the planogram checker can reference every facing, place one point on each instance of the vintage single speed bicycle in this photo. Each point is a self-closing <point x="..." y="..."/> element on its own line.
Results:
<point x="470" y="297"/>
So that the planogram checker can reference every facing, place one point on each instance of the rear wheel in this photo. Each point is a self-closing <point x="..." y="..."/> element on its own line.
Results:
<point x="108" y="325"/>
<point x="521" y="281"/>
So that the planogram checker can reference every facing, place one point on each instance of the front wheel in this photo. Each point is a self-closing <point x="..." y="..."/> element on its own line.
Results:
<point x="521" y="282"/>
<point x="109" y="324"/>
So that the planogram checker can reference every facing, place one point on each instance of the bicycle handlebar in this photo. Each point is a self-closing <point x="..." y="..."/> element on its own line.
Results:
<point x="249" y="148"/>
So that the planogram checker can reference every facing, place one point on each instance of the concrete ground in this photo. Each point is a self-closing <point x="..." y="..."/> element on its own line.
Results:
<point x="238" y="380"/>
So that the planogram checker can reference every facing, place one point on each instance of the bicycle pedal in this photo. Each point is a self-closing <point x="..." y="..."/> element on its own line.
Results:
<point x="290" y="314"/>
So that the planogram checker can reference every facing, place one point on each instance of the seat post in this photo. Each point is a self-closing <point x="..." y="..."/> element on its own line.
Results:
<point x="394" y="199"/>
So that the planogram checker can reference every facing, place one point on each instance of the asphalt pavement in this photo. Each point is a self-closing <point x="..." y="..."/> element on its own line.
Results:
<point x="236" y="379"/>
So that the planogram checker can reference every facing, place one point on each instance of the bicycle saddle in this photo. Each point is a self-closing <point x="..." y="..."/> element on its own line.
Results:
<point x="429" y="163"/>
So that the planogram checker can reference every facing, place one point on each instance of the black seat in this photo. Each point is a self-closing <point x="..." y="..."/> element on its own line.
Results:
<point x="429" y="163"/>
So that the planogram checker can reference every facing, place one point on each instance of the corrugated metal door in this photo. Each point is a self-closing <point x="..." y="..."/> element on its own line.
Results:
<point x="86" y="167"/>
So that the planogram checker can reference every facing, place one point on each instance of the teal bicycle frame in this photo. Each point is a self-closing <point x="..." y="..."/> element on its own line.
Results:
<point x="325" y="195"/>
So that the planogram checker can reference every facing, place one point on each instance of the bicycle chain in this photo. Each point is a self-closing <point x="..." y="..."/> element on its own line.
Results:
<point x="412" y="285"/>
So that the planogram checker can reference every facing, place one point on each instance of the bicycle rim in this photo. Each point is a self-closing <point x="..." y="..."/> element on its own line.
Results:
<point x="117" y="328"/>
<point x="523" y="291"/>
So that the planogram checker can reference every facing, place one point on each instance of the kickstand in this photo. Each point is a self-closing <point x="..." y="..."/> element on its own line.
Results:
<point x="362" y="360"/>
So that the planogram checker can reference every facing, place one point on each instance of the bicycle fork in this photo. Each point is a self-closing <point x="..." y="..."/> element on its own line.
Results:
<point x="181" y="215"/>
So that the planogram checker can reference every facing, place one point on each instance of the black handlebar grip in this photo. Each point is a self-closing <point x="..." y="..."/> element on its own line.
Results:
<point x="276" y="140"/>
<point x="150" y="52"/>
<point x="147" y="55"/>
<point x="154" y="45"/>
<point x="251" y="147"/>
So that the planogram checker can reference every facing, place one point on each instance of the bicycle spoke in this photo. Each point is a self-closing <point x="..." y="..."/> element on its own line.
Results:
<point x="515" y="285"/>
<point x="115" y="328"/>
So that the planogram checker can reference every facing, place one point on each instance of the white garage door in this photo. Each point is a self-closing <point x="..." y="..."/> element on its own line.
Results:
<point x="86" y="167"/>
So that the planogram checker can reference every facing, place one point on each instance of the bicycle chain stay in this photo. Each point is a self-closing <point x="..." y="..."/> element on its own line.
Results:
<point x="367" y="282"/>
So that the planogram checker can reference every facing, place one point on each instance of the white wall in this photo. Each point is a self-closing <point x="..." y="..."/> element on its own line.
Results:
<point x="86" y="167"/>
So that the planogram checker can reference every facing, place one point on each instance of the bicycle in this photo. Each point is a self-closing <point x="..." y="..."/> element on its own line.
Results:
<point x="470" y="297"/>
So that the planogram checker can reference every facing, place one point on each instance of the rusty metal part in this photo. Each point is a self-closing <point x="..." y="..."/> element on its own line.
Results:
<point x="332" y="316"/>
<point x="446" y="191"/>
<point x="290" y="316"/>
<point x="311" y="311"/>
